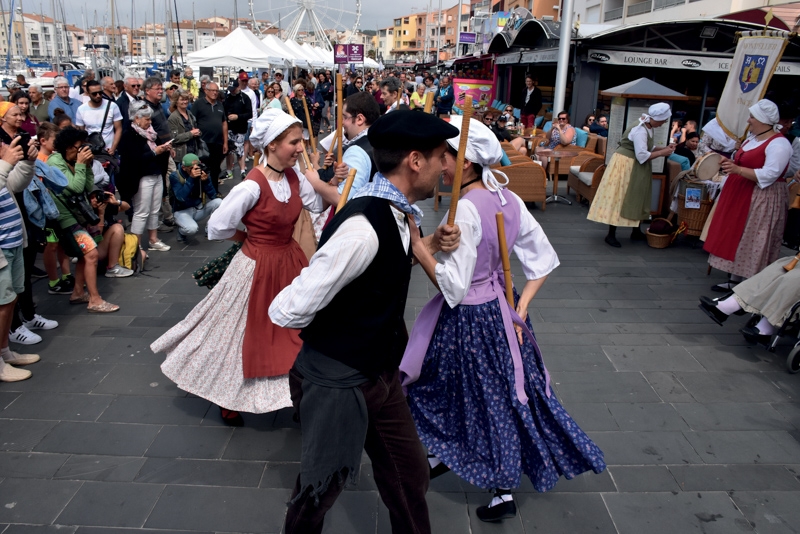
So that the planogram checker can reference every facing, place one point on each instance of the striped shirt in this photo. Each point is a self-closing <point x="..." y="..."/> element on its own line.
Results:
<point x="10" y="221"/>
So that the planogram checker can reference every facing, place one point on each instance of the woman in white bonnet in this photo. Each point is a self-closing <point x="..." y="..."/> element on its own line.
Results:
<point x="745" y="234"/>
<point x="478" y="392"/>
<point x="623" y="198"/>
<point x="227" y="350"/>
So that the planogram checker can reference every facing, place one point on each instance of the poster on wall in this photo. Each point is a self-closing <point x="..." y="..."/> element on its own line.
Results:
<point x="636" y="108"/>
<point x="481" y="91"/>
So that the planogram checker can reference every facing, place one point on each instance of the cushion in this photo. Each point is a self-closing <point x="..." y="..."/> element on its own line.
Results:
<point x="582" y="137"/>
<point x="586" y="177"/>
<point x="538" y="121"/>
<point x="495" y="103"/>
<point x="547" y="126"/>
<point x="575" y="169"/>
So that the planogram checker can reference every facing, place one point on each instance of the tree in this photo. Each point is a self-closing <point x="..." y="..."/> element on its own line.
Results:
<point x="371" y="54"/>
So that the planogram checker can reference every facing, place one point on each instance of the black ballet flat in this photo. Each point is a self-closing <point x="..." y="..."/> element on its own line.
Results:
<point x="725" y="287"/>
<point x="493" y="514"/>
<point x="709" y="307"/>
<point x="753" y="335"/>
<point x="612" y="241"/>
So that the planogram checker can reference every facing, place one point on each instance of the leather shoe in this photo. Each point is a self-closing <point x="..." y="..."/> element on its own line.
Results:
<point x="753" y="335"/>
<point x="724" y="287"/>
<point x="612" y="241"/>
<point x="15" y="358"/>
<point x="491" y="514"/>
<point x="12" y="374"/>
<point x="709" y="307"/>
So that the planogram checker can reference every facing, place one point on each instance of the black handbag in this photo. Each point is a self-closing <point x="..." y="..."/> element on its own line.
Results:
<point x="95" y="139"/>
<point x="201" y="149"/>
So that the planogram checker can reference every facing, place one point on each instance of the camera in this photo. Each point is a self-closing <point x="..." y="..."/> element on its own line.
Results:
<point x="82" y="209"/>
<point x="100" y="196"/>
<point x="203" y="167"/>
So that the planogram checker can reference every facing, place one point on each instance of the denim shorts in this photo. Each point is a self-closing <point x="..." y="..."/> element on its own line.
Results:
<point x="12" y="276"/>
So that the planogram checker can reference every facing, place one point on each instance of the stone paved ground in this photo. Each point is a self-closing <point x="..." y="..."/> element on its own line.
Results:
<point x="699" y="429"/>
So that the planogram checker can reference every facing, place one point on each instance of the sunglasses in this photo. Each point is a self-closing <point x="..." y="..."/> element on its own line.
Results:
<point x="562" y="118"/>
<point x="95" y="93"/>
<point x="136" y="85"/>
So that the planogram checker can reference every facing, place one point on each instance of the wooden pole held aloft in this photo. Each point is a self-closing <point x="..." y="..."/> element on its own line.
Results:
<point x="428" y="102"/>
<point x="501" y="239"/>
<point x="462" y="148"/>
<point x="339" y="92"/>
<point x="348" y="184"/>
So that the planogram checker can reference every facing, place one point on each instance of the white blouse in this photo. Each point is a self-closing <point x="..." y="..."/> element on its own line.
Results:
<point x="225" y="220"/>
<point x="534" y="251"/>
<point x="639" y="135"/>
<point x="778" y="154"/>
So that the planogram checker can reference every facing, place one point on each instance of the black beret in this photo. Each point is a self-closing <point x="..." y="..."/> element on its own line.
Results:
<point x="409" y="130"/>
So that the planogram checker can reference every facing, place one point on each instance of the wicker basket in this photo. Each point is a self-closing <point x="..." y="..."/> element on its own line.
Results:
<point x="695" y="219"/>
<point x="658" y="241"/>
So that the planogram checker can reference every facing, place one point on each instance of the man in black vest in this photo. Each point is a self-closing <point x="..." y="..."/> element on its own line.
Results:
<point x="360" y="111"/>
<point x="345" y="383"/>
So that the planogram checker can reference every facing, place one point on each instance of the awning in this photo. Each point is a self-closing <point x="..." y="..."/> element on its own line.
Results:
<point x="674" y="61"/>
<point x="540" y="56"/>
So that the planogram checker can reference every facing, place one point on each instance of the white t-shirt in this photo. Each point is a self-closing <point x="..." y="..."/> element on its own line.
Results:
<point x="91" y="118"/>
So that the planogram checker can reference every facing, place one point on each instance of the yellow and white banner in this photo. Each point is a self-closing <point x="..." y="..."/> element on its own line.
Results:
<point x="757" y="55"/>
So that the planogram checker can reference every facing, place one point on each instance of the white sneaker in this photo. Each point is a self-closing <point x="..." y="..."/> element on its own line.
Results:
<point x="9" y="373"/>
<point x="23" y="336"/>
<point x="40" y="323"/>
<point x="160" y="246"/>
<point x="118" y="272"/>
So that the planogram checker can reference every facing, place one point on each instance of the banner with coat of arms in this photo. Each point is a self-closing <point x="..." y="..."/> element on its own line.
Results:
<point x="757" y="55"/>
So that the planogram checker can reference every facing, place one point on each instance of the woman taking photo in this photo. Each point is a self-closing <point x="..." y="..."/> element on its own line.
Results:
<point x="623" y="198"/>
<point x="746" y="231"/>
<point x="484" y="408"/>
<point x="30" y="124"/>
<point x="183" y="125"/>
<point x="227" y="350"/>
<point x="140" y="180"/>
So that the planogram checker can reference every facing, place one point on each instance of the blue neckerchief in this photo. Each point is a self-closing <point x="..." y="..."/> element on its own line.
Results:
<point x="382" y="188"/>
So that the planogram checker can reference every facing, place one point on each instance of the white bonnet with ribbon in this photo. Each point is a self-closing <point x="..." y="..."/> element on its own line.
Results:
<point x="767" y="112"/>
<point x="484" y="149"/>
<point x="657" y="112"/>
<point x="269" y="125"/>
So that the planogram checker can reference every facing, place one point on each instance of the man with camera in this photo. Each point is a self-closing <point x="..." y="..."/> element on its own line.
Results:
<point x="77" y="218"/>
<point x="192" y="195"/>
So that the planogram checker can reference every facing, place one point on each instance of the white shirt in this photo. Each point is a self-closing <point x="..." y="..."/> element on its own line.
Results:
<point x="534" y="251"/>
<point x="252" y="96"/>
<point x="91" y="118"/>
<point x="528" y="93"/>
<point x="225" y="220"/>
<point x="345" y="256"/>
<point x="639" y="135"/>
<point x="778" y="154"/>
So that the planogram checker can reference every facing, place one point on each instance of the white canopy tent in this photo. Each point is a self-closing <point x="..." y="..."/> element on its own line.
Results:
<point x="298" y="50"/>
<point x="326" y="55"/>
<point x="291" y="56"/>
<point x="313" y="57"/>
<point x="238" y="48"/>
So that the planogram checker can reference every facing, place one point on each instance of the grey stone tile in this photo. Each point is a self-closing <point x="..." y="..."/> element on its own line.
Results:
<point x="62" y="378"/>
<point x="113" y="530"/>
<point x="22" y="434"/>
<point x="198" y="508"/>
<point x="588" y="482"/>
<point x="100" y="468"/>
<point x="643" y="478"/>
<point x="646" y="416"/>
<point x="7" y="397"/>
<point x="603" y="387"/>
<point x="733" y="416"/>
<point x="130" y="351"/>
<point x="651" y="358"/>
<point x="353" y="512"/>
<point x="668" y="387"/>
<point x="771" y="512"/>
<point x="57" y="406"/>
<point x="280" y="475"/>
<point x="189" y="442"/>
<point x="732" y="359"/>
<point x="138" y="380"/>
<point x="645" y="448"/>
<point x="61" y="348"/>
<point x="277" y="445"/>
<point x="745" y="447"/>
<point x="156" y="410"/>
<point x="201" y="472"/>
<point x="591" y="416"/>
<point x="668" y="513"/>
<point x="39" y="529"/>
<point x="786" y="383"/>
<point x="735" y="478"/>
<point x="615" y="291"/>
<point x="566" y="513"/>
<point x="30" y="464"/>
<point x="111" y="504"/>
<point x="790" y="412"/>
<point x="558" y="315"/>
<point x="448" y="512"/>
<point x="575" y="358"/>
<point x="33" y="501"/>
<point x="636" y="339"/>
<point x="730" y="387"/>
<point x="99" y="438"/>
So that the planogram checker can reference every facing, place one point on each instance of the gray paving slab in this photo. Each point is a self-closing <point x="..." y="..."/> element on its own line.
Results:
<point x="201" y="473"/>
<point x="733" y="416"/>
<point x="34" y="501"/>
<point x="137" y="380"/>
<point x="30" y="464"/>
<point x="770" y="512"/>
<point x="22" y="434"/>
<point x="156" y="410"/>
<point x="643" y="478"/>
<point x="650" y="358"/>
<point x="646" y="416"/>
<point x="189" y="442"/>
<point x="735" y="478"/>
<point x="57" y="406"/>
<point x="646" y="448"/>
<point x="100" y="468"/>
<point x="99" y="438"/>
<point x="603" y="387"/>
<point x="39" y="529"/>
<point x="111" y="504"/>
<point x="744" y="446"/>
<point x="565" y="513"/>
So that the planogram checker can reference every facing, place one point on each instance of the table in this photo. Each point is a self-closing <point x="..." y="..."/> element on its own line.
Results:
<point x="555" y="158"/>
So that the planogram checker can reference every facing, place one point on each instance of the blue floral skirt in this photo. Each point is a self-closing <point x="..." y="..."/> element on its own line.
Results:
<point x="468" y="415"/>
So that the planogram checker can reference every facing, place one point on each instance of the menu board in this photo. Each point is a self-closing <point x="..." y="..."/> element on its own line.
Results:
<point x="636" y="108"/>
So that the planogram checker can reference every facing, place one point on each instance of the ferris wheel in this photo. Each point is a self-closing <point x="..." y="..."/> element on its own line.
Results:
<point x="298" y="17"/>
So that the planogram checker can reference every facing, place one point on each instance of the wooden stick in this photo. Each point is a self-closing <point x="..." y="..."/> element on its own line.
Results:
<point x="462" y="148"/>
<point x="306" y="159"/>
<point x="501" y="238"/>
<point x="791" y="265"/>
<point x="348" y="184"/>
<point x="429" y="102"/>
<point x="310" y="130"/>
<point x="339" y="91"/>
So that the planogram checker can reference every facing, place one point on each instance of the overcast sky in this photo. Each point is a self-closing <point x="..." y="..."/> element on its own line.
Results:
<point x="374" y="13"/>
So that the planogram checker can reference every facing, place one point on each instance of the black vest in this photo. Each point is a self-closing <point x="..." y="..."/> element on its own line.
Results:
<point x="363" y="326"/>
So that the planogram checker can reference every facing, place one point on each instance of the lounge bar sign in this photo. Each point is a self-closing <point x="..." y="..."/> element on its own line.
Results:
<point x="669" y="61"/>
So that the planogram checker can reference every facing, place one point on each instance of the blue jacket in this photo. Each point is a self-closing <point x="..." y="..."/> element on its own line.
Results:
<point x="185" y="191"/>
<point x="446" y="104"/>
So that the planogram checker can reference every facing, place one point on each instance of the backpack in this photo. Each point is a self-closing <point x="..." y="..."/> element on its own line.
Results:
<point x="129" y="256"/>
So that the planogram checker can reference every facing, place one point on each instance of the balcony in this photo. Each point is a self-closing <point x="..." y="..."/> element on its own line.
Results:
<point x="664" y="4"/>
<point x="613" y="14"/>
<point x="640" y="7"/>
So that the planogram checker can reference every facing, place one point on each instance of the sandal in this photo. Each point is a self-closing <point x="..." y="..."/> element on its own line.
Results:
<point x="83" y="299"/>
<point x="103" y="307"/>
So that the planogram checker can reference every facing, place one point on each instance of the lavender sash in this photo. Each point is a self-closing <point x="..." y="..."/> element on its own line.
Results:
<point x="479" y="293"/>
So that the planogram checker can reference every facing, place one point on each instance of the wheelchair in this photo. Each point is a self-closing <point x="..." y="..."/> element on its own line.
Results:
<point x="790" y="327"/>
